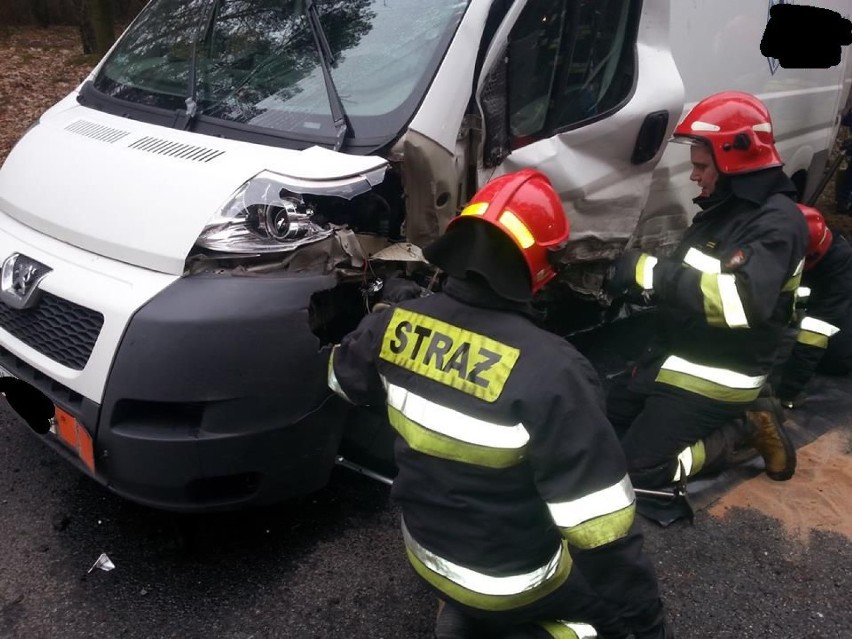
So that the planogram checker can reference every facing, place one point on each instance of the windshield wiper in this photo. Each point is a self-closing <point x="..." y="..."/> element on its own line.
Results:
<point x="185" y="118"/>
<point x="338" y="113"/>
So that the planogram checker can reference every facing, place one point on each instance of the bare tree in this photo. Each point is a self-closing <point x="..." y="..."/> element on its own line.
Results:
<point x="97" y="25"/>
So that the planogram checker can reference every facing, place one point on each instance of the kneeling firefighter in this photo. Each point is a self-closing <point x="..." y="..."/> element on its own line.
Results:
<point x="824" y="340"/>
<point x="724" y="300"/>
<point x="517" y="510"/>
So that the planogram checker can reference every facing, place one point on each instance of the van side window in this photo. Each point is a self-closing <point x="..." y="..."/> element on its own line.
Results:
<point x="568" y="62"/>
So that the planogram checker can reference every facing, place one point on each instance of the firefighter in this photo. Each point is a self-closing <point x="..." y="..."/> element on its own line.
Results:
<point x="517" y="510"/>
<point x="824" y="340"/>
<point x="724" y="299"/>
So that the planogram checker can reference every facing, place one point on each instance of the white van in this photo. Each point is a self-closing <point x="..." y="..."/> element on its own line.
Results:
<point x="184" y="235"/>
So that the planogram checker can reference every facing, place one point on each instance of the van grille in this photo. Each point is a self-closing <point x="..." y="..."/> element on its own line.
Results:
<point x="96" y="131"/>
<point x="176" y="149"/>
<point x="61" y="330"/>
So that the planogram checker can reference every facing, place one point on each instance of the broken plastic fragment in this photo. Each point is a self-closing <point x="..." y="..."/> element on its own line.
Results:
<point x="103" y="562"/>
<point x="401" y="252"/>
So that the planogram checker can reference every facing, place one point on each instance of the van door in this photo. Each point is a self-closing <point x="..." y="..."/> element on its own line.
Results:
<point x="586" y="91"/>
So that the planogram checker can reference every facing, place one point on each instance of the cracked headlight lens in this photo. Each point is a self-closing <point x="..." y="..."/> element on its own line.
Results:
<point x="263" y="216"/>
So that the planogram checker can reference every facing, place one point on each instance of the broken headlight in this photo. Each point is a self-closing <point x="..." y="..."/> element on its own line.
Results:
<point x="263" y="216"/>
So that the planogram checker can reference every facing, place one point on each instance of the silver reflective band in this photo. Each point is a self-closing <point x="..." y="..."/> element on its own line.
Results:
<point x="722" y="376"/>
<point x="477" y="581"/>
<point x="582" y="630"/>
<point x="698" y="125"/>
<point x="646" y="278"/>
<point x="818" y="326"/>
<point x="685" y="458"/>
<point x="568" y="514"/>
<point x="333" y="384"/>
<point x="732" y="305"/>
<point x="803" y="293"/>
<point x="704" y="263"/>
<point x="452" y="423"/>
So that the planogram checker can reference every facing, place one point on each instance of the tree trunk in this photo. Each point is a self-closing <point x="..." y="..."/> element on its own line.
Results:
<point x="41" y="12"/>
<point x="96" y="26"/>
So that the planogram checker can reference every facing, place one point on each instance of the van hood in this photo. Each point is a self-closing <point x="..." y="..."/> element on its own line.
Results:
<point x="141" y="193"/>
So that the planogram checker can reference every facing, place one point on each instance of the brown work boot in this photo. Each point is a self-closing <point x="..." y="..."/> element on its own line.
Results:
<point x="770" y="439"/>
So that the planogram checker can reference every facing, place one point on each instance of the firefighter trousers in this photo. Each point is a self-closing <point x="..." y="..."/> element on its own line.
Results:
<point x="573" y="601"/>
<point x="657" y="423"/>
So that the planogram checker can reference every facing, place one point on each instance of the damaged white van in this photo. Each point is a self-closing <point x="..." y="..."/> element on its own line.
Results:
<point x="184" y="235"/>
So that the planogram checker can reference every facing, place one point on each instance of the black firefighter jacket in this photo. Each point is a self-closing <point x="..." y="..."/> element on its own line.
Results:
<point x="826" y="313"/>
<point x="727" y="293"/>
<point x="510" y="475"/>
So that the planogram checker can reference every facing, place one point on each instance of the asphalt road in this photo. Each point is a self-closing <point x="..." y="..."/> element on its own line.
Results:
<point x="331" y="565"/>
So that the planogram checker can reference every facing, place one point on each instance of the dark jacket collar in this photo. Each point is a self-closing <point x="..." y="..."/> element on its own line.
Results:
<point x="474" y="291"/>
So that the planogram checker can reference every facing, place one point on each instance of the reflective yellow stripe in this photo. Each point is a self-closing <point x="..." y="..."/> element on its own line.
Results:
<point x="597" y="518"/>
<point x="483" y="591"/>
<point x="815" y="332"/>
<point x="645" y="271"/>
<point x="792" y="285"/>
<point x="722" y="303"/>
<point x="439" y="445"/>
<point x="477" y="208"/>
<point x="601" y="530"/>
<point x="450" y="355"/>
<point x="442" y="432"/>
<point x="568" y="630"/>
<point x="568" y="514"/>
<point x="692" y="459"/>
<point x="715" y="383"/>
<point x="518" y="229"/>
<point x="447" y="421"/>
<point x="333" y="384"/>
<point x="812" y="339"/>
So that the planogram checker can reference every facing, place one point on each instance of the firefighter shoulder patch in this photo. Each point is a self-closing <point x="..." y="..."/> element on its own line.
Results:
<point x="735" y="260"/>
<point x="467" y="361"/>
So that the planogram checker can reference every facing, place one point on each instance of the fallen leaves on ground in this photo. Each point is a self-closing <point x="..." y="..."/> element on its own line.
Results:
<point x="37" y="68"/>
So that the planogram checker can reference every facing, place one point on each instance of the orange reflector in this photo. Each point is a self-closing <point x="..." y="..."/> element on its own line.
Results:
<point x="76" y="436"/>
<point x="85" y="448"/>
<point x="66" y="428"/>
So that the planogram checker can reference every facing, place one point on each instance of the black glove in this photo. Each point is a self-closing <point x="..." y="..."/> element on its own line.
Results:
<point x="621" y="277"/>
<point x="399" y="289"/>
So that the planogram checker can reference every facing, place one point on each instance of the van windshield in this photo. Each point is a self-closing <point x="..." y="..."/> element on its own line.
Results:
<point x="255" y="63"/>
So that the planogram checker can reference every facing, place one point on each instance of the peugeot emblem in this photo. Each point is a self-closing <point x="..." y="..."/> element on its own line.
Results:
<point x="19" y="281"/>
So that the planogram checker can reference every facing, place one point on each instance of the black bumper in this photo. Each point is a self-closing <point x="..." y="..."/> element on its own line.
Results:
<point x="216" y="399"/>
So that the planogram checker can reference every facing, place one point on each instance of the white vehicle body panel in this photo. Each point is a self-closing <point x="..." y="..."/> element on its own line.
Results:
<point x="602" y="191"/>
<point x="114" y="289"/>
<point x="715" y="46"/>
<point x="97" y="189"/>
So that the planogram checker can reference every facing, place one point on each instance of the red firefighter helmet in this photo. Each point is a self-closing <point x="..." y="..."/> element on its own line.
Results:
<point x="819" y="236"/>
<point x="522" y="206"/>
<point x="737" y="128"/>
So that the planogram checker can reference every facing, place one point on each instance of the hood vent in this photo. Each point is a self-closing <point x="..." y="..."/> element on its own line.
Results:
<point x="96" y="131"/>
<point x="176" y="149"/>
